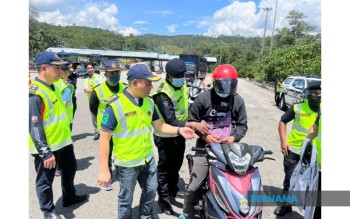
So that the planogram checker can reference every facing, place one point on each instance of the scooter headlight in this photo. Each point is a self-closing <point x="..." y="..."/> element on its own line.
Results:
<point x="240" y="164"/>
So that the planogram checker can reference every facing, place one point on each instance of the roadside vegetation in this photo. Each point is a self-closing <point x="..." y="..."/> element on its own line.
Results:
<point x="295" y="51"/>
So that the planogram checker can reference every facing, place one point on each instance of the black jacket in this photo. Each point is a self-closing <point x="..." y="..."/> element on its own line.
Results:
<point x="208" y="106"/>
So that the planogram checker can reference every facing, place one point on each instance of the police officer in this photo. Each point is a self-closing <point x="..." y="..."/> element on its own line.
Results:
<point x="129" y="118"/>
<point x="303" y="114"/>
<point x="278" y="87"/>
<point x="72" y="79"/>
<point x="91" y="82"/>
<point x="50" y="137"/>
<point x="99" y="98"/>
<point x="171" y="101"/>
<point x="224" y="109"/>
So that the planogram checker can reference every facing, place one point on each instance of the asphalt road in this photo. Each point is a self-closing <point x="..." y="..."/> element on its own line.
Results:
<point x="263" y="117"/>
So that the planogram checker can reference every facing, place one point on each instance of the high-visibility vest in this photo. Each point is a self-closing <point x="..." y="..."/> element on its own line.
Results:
<point x="62" y="85"/>
<point x="317" y="141"/>
<point x="132" y="137"/>
<point x="179" y="99"/>
<point x="55" y="118"/>
<point x="303" y="120"/>
<point x="278" y="87"/>
<point x="103" y="94"/>
<point x="92" y="82"/>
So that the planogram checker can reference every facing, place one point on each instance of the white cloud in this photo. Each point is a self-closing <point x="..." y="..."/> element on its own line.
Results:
<point x="248" y="19"/>
<point x="46" y="5"/>
<point x="163" y="13"/>
<point x="140" y="22"/>
<point x="171" y="28"/>
<point x="96" y="15"/>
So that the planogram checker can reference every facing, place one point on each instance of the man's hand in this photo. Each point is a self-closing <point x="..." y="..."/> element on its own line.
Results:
<point x="88" y="90"/>
<point x="202" y="127"/>
<point x="104" y="178"/>
<point x="211" y="139"/>
<point x="188" y="133"/>
<point x="285" y="149"/>
<point x="50" y="162"/>
<point x="229" y="139"/>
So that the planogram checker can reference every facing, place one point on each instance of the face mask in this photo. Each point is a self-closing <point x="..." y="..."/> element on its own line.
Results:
<point x="222" y="95"/>
<point x="114" y="79"/>
<point x="178" y="82"/>
<point x="314" y="101"/>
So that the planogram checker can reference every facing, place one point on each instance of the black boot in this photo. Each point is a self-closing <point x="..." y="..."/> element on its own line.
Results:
<point x="74" y="199"/>
<point x="282" y="210"/>
<point x="165" y="206"/>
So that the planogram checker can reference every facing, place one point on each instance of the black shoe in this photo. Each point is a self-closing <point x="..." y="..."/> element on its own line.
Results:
<point x="165" y="206"/>
<point x="282" y="210"/>
<point x="51" y="215"/>
<point x="74" y="199"/>
<point x="96" y="136"/>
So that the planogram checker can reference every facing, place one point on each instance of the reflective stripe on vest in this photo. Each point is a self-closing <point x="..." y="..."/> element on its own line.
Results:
<point x="63" y="85"/>
<point x="303" y="121"/>
<point x="95" y="80"/>
<point x="103" y="93"/>
<point x="132" y="138"/>
<point x="179" y="100"/>
<point x="55" y="119"/>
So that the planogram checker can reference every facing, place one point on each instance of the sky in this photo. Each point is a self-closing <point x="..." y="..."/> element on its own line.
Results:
<point x="180" y="17"/>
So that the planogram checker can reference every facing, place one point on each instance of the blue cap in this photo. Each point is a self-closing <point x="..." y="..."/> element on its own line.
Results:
<point x="141" y="71"/>
<point x="64" y="67"/>
<point x="175" y="67"/>
<point x="112" y="65"/>
<point x="49" y="58"/>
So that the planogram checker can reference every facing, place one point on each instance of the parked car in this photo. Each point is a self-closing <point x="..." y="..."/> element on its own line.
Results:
<point x="293" y="89"/>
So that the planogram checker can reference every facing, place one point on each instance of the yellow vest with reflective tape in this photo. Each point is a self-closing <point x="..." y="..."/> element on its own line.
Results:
<point x="63" y="85"/>
<point x="278" y="87"/>
<point x="103" y="94"/>
<point x="317" y="142"/>
<point x="179" y="99"/>
<point x="132" y="138"/>
<point x="55" y="119"/>
<point x="303" y="121"/>
<point x="92" y="82"/>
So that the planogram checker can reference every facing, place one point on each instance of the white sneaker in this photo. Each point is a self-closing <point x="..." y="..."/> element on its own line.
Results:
<point x="108" y="187"/>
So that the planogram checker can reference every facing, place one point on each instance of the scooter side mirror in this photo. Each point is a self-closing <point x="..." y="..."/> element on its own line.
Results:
<point x="189" y="84"/>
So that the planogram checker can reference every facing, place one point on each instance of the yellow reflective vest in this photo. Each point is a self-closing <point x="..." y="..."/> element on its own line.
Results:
<point x="103" y="94"/>
<point x="317" y="141"/>
<point x="62" y="85"/>
<point x="132" y="137"/>
<point x="179" y="99"/>
<point x="92" y="82"/>
<point x="303" y="120"/>
<point x="55" y="118"/>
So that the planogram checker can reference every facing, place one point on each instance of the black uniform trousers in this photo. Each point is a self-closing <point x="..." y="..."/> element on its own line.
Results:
<point x="171" y="153"/>
<point x="289" y="162"/>
<point x="65" y="158"/>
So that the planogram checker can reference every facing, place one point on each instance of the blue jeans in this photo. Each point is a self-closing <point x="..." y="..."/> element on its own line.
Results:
<point x="146" y="176"/>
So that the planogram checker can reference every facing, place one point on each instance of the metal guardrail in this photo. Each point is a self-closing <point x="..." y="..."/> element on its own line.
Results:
<point x="265" y="84"/>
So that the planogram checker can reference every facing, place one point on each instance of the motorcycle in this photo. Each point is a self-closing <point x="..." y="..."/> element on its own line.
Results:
<point x="195" y="89"/>
<point x="232" y="174"/>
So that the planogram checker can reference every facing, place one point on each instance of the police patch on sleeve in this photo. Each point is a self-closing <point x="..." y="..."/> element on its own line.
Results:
<point x="105" y="119"/>
<point x="33" y="88"/>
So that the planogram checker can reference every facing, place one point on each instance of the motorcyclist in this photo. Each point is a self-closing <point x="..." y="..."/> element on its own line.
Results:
<point x="225" y="110"/>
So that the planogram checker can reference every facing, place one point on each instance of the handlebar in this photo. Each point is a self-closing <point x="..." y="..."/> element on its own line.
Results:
<point x="197" y="149"/>
<point x="268" y="152"/>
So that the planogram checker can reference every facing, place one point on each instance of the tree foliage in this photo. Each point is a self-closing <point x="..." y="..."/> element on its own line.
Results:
<point x="295" y="52"/>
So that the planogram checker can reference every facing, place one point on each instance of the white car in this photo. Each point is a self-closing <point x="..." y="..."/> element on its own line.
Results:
<point x="293" y="89"/>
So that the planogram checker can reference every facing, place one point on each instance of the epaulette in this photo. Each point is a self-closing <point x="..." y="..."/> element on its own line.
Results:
<point x="298" y="101"/>
<point x="112" y="98"/>
<point x="33" y="88"/>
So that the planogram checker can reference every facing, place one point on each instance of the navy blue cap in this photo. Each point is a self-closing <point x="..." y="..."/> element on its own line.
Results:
<point x="49" y="58"/>
<point x="64" y="67"/>
<point x="112" y="65"/>
<point x="175" y="67"/>
<point x="141" y="71"/>
<point x="314" y="85"/>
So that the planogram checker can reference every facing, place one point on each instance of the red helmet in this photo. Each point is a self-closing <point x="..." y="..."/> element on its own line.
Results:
<point x="225" y="80"/>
